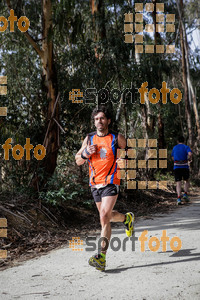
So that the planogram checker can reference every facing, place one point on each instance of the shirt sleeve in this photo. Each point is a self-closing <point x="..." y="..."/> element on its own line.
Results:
<point x="172" y="153"/>
<point x="188" y="149"/>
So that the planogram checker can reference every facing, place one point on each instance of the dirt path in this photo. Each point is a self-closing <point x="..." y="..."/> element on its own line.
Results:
<point x="65" y="274"/>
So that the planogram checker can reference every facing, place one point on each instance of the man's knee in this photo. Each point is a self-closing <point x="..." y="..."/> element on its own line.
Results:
<point x="105" y="217"/>
<point x="178" y="183"/>
<point x="98" y="204"/>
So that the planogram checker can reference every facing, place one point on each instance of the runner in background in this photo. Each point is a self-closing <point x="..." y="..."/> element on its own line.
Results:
<point x="181" y="154"/>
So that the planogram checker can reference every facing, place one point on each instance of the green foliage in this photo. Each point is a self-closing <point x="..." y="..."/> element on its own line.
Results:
<point x="77" y="37"/>
<point x="164" y="177"/>
<point x="63" y="187"/>
<point x="53" y="197"/>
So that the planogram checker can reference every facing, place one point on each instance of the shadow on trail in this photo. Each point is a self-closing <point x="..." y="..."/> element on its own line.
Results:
<point x="185" y="252"/>
<point x="183" y="220"/>
<point x="181" y="253"/>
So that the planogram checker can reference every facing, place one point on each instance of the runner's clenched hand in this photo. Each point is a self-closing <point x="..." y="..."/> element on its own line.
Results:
<point x="90" y="149"/>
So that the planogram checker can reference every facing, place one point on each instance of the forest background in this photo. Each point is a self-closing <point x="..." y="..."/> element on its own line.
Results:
<point x="78" y="45"/>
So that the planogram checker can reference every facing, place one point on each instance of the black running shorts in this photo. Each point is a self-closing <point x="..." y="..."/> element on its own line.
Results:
<point x="108" y="190"/>
<point x="180" y="173"/>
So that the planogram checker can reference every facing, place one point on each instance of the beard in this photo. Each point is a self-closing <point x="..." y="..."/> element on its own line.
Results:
<point x="102" y="128"/>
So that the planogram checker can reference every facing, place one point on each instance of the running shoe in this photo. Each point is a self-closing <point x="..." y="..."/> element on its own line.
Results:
<point x="178" y="201"/>
<point x="98" y="262"/>
<point x="186" y="198"/>
<point x="129" y="224"/>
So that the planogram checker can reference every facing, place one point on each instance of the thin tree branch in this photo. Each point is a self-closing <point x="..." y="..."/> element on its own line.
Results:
<point x="51" y="119"/>
<point x="28" y="36"/>
<point x="59" y="125"/>
<point x="34" y="44"/>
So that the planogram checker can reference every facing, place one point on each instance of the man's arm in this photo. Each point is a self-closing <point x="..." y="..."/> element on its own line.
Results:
<point x="121" y="145"/>
<point x="172" y="154"/>
<point x="121" y="141"/>
<point x="85" y="152"/>
<point x="79" y="160"/>
<point x="190" y="156"/>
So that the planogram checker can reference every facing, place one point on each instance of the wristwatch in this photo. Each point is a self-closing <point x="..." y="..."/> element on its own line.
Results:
<point x="82" y="156"/>
<point x="86" y="151"/>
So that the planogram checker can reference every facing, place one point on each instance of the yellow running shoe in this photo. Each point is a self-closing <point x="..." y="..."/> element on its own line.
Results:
<point x="98" y="262"/>
<point x="129" y="223"/>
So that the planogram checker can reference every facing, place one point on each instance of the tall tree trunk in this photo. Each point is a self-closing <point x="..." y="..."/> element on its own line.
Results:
<point x="190" y="86"/>
<point x="98" y="20"/>
<point x="161" y="136"/>
<point x="190" y="91"/>
<point x="144" y="121"/>
<point x="184" y="73"/>
<point x="157" y="40"/>
<point x="121" y="106"/>
<point x="49" y="83"/>
<point x="99" y="31"/>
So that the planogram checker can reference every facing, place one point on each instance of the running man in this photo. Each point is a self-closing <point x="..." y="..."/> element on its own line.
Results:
<point x="181" y="154"/>
<point x="99" y="148"/>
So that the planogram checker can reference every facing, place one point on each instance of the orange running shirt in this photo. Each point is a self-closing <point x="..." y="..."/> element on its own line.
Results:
<point x="102" y="164"/>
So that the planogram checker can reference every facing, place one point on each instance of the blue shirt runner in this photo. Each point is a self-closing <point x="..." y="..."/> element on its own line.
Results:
<point x="180" y="154"/>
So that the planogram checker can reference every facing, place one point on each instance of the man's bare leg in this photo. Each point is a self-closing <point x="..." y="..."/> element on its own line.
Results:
<point x="117" y="217"/>
<point x="105" y="208"/>
<point x="178" y="188"/>
<point x="186" y="186"/>
<point x="107" y="215"/>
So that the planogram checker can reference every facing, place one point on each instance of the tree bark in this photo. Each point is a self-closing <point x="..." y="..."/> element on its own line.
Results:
<point x="157" y="40"/>
<point x="190" y="86"/>
<point x="98" y="14"/>
<point x="50" y="87"/>
<point x="50" y="84"/>
<point x="184" y="74"/>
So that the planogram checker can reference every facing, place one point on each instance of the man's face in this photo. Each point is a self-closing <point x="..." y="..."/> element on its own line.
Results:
<point x="101" y="122"/>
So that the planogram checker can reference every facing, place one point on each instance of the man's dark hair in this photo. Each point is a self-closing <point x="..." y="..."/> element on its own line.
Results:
<point x="181" y="139"/>
<point x="103" y="109"/>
